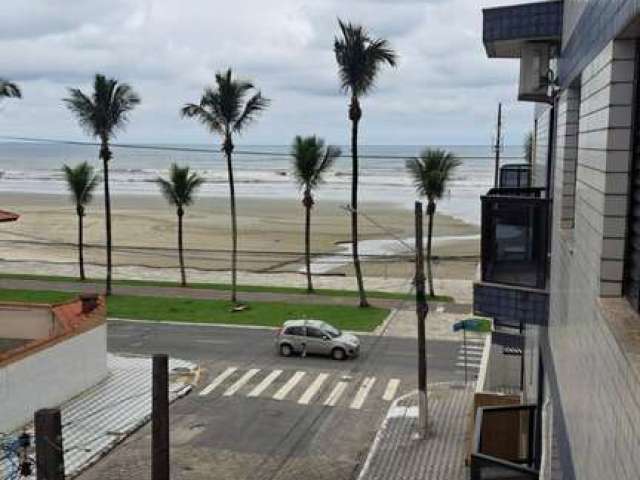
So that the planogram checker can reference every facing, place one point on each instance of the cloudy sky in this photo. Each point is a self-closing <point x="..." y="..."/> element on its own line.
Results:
<point x="444" y="90"/>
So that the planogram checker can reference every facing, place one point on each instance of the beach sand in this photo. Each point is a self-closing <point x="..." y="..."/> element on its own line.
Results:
<point x="271" y="234"/>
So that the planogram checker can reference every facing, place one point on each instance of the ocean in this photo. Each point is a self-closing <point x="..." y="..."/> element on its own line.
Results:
<point x="260" y="171"/>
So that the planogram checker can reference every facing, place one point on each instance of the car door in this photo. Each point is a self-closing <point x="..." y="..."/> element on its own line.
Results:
<point x="317" y="342"/>
<point x="296" y="336"/>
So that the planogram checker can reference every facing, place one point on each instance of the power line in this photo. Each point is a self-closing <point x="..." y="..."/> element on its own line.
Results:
<point x="169" y="148"/>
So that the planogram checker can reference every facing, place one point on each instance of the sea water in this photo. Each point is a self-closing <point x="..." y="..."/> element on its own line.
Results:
<point x="260" y="172"/>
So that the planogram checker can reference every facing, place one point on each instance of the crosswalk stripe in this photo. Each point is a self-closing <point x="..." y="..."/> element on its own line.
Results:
<point x="336" y="393"/>
<point x="264" y="384"/>
<point x="390" y="391"/>
<point x="313" y="389"/>
<point x="469" y="365"/>
<point x="218" y="381"/>
<point x="363" y="391"/>
<point x="287" y="387"/>
<point x="241" y="382"/>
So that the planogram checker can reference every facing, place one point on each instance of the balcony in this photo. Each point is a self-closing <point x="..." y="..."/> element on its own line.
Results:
<point x="504" y="443"/>
<point x="514" y="245"/>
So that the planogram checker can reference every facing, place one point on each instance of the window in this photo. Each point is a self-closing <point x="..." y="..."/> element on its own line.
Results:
<point x="296" y="331"/>
<point x="314" y="332"/>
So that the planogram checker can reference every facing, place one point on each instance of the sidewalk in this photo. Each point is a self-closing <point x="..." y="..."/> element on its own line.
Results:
<point x="397" y="453"/>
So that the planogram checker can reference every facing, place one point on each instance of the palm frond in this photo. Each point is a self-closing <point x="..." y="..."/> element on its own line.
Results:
<point x="311" y="160"/>
<point x="252" y="108"/>
<point x="360" y="58"/>
<point x="9" y="89"/>
<point x="432" y="171"/>
<point x="106" y="109"/>
<point x="181" y="186"/>
<point x="222" y="107"/>
<point x="81" y="182"/>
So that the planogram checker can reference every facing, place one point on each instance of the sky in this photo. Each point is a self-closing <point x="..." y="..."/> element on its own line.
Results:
<point x="444" y="90"/>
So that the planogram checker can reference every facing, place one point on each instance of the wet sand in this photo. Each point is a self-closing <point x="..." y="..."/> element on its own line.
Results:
<point x="271" y="234"/>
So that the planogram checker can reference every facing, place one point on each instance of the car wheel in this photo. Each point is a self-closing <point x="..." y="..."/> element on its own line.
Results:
<point x="338" y="354"/>
<point x="286" y="350"/>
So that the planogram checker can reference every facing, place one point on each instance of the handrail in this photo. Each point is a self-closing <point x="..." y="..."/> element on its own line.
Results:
<point x="531" y="192"/>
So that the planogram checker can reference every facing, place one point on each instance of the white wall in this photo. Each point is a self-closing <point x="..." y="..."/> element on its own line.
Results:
<point x="51" y="376"/>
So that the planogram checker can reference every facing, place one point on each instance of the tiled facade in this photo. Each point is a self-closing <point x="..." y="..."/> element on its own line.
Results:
<point x="584" y="148"/>
<point x="598" y="390"/>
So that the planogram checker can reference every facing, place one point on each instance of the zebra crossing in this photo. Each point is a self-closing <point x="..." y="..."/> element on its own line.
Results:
<point x="470" y="355"/>
<point x="301" y="387"/>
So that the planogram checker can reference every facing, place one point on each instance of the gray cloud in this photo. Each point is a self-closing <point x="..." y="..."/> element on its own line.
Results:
<point x="443" y="91"/>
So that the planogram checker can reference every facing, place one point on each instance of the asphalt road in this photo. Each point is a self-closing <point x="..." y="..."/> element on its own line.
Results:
<point x="246" y="421"/>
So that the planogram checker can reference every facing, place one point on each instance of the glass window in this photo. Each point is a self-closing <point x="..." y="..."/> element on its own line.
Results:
<point x="297" y="331"/>
<point x="314" y="332"/>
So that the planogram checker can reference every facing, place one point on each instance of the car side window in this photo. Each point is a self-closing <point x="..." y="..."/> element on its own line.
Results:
<point x="296" y="331"/>
<point x="314" y="332"/>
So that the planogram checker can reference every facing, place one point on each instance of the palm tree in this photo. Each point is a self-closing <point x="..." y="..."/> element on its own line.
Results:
<point x="359" y="58"/>
<point x="81" y="183"/>
<point x="101" y="114"/>
<point x="310" y="162"/>
<point x="9" y="89"/>
<point x="223" y="110"/>
<point x="431" y="173"/>
<point x="179" y="190"/>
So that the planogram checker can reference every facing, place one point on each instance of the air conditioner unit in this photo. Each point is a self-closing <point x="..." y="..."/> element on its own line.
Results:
<point x="535" y="73"/>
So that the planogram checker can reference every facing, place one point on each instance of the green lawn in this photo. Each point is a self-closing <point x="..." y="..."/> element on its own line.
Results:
<point x="226" y="287"/>
<point x="212" y="311"/>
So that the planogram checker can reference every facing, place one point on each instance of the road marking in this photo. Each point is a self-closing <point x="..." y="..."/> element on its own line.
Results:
<point x="313" y="389"/>
<point x="241" y="382"/>
<point x="469" y="365"/>
<point x="363" y="391"/>
<point x="390" y="391"/>
<point x="287" y="387"/>
<point x="264" y="384"/>
<point x="217" y="381"/>
<point x="336" y="393"/>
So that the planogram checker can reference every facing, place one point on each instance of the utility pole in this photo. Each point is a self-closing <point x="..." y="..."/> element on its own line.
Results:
<point x="422" y="308"/>
<point x="49" y="452"/>
<point x="497" y="147"/>
<point x="160" y="418"/>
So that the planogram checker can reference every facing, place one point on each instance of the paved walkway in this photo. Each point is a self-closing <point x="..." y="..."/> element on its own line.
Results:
<point x="202" y="293"/>
<point x="397" y="452"/>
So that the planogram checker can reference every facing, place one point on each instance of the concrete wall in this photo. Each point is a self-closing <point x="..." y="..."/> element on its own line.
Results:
<point x="568" y="112"/>
<point x="51" y="376"/>
<point x="29" y="323"/>
<point x="598" y="385"/>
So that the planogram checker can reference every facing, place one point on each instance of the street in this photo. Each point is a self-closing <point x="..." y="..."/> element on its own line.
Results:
<point x="256" y="415"/>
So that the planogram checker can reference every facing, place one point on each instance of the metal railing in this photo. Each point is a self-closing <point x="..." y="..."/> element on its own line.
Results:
<point x="504" y="444"/>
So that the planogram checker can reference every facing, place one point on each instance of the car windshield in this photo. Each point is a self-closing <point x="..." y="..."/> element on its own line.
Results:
<point x="332" y="331"/>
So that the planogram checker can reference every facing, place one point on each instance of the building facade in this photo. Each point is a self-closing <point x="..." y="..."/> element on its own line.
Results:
<point x="580" y="62"/>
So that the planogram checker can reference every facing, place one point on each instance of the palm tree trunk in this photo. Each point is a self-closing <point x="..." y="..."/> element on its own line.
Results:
<point x="80" y="245"/>
<point x="106" y="154"/>
<point x="307" y="244"/>
<point x="354" y="114"/>
<point x="183" y="275"/>
<point x="234" y="225"/>
<point x="431" y="210"/>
